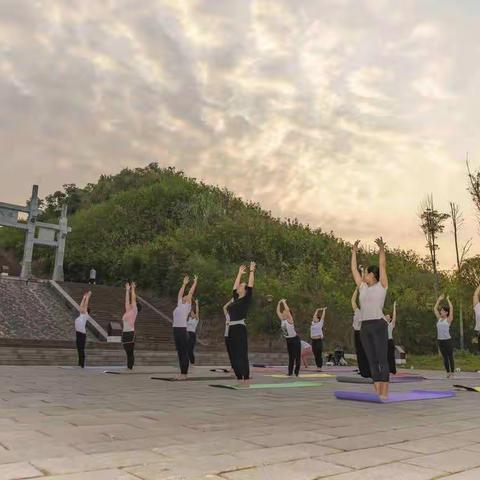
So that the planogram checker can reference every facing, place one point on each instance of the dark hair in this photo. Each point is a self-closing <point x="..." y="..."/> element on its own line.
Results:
<point x="446" y="308"/>
<point x="375" y="270"/>
<point x="139" y="307"/>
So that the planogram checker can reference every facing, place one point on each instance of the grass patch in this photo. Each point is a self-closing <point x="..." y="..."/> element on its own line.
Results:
<point x="466" y="361"/>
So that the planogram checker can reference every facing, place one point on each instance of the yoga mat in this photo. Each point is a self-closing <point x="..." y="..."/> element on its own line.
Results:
<point x="110" y="372"/>
<point x="112" y="367"/>
<point x="468" y="389"/>
<point x="393" y="379"/>
<point x="263" y="365"/>
<point x="393" y="397"/>
<point x="305" y="375"/>
<point x="191" y="379"/>
<point x="260" y="386"/>
<point x="223" y="370"/>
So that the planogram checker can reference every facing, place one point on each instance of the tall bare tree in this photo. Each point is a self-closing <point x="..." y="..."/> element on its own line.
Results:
<point x="432" y="224"/>
<point x="456" y="216"/>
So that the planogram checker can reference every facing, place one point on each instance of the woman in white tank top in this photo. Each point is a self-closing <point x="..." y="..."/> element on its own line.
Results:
<point x="373" y="331"/>
<point x="316" y="334"/>
<point x="287" y="325"/>
<point x="444" y="317"/>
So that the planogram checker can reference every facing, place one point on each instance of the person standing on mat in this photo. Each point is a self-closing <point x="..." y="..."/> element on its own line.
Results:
<point x="237" y="330"/>
<point x="132" y="307"/>
<point x="391" y="322"/>
<point x="81" y="328"/>
<point x="192" y="324"/>
<point x="444" y="320"/>
<point x="294" y="347"/>
<point x="362" y="361"/>
<point x="227" y="341"/>
<point x="476" y="309"/>
<point x="180" y="316"/>
<point x="373" y="330"/>
<point x="316" y="334"/>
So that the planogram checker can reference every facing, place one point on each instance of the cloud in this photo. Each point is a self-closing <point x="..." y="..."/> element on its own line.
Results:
<point x="341" y="113"/>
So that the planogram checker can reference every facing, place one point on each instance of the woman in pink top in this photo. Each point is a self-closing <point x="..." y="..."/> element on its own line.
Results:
<point x="132" y="307"/>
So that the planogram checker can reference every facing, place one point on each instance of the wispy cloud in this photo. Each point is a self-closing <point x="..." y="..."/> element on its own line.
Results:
<point x="342" y="113"/>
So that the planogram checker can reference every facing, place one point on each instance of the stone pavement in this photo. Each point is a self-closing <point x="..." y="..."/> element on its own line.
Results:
<point x="59" y="424"/>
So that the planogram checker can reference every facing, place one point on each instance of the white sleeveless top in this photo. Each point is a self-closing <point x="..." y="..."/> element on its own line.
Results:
<point x="477" y="317"/>
<point x="316" y="329"/>
<point x="192" y="324"/>
<point x="357" y="319"/>
<point x="443" y="330"/>
<point x="227" y="322"/>
<point x="288" y="329"/>
<point x="372" y="300"/>
<point x="81" y="323"/>
<point x="390" y="331"/>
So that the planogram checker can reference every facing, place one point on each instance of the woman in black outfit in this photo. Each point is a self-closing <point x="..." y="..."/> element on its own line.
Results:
<point x="237" y="330"/>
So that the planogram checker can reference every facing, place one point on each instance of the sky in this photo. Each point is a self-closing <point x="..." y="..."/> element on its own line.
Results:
<point x="342" y="113"/>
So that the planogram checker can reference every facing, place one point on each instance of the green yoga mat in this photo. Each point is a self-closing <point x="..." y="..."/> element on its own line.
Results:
<point x="260" y="386"/>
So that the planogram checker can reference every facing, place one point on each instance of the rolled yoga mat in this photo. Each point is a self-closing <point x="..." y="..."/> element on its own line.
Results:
<point x="467" y="388"/>
<point x="261" y="386"/>
<point x="223" y="370"/>
<point x="192" y="379"/>
<point x="393" y="379"/>
<point x="394" y="397"/>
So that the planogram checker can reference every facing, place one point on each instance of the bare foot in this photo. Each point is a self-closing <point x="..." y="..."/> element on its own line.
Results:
<point x="181" y="377"/>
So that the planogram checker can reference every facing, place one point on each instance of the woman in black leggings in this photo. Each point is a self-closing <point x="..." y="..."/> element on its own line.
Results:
<point x="444" y="320"/>
<point x="237" y="330"/>
<point x="373" y="331"/>
<point x="132" y="308"/>
<point x="294" y="347"/>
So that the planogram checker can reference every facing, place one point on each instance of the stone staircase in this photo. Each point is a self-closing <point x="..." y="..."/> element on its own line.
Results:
<point x="107" y="304"/>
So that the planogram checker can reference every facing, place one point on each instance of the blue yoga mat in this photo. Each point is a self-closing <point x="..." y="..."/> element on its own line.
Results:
<point x="393" y="397"/>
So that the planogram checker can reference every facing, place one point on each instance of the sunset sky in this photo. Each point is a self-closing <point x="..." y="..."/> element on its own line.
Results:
<point x="343" y="113"/>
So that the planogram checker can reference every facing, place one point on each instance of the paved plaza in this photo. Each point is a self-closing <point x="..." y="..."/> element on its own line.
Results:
<point x="70" y="424"/>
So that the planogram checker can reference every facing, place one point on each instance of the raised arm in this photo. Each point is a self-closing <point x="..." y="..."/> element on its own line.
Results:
<point x="324" y="309"/>
<point x="279" y="309"/>
<point x="181" y="292"/>
<point x="134" y="295"/>
<point x="435" y="308"/>
<point x="197" y="309"/>
<point x="193" y="287"/>
<point x="354" y="300"/>
<point x="241" y="272"/>
<point x="355" y="273"/>
<point x="394" y="314"/>
<point x="251" y="276"/>
<point x="382" y="262"/>
<point x="476" y="296"/>
<point x="127" y="297"/>
<point x="450" y="315"/>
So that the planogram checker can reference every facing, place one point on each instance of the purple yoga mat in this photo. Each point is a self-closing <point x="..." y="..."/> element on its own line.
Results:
<point x="395" y="396"/>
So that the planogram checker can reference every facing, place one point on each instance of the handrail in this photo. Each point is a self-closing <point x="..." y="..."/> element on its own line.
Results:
<point x="96" y="326"/>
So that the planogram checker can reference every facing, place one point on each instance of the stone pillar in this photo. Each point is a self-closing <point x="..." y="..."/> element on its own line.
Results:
<point x="30" y="236"/>
<point x="60" y="250"/>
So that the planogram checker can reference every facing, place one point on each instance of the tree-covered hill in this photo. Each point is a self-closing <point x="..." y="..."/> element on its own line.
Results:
<point x="155" y="224"/>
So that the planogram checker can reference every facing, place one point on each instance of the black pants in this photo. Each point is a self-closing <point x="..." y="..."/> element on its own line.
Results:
<point x="192" y="340"/>
<point x="362" y="360"/>
<point x="81" y="340"/>
<point x="238" y="339"/>
<point x="446" y="349"/>
<point x="374" y="337"/>
<point x="392" y="366"/>
<point x="229" y="351"/>
<point x="317" y="347"/>
<point x="181" y="344"/>
<point x="294" y="348"/>
<point x="128" y="341"/>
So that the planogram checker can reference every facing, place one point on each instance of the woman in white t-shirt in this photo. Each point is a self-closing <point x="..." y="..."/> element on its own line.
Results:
<point x="192" y="324"/>
<point x="287" y="325"/>
<point x="373" y="331"/>
<point x="316" y="335"/>
<point x="476" y="309"/>
<point x="81" y="328"/>
<point x="180" y="317"/>
<point x="132" y="307"/>
<point x="362" y="360"/>
<point x="391" y="323"/>
<point x="444" y="317"/>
